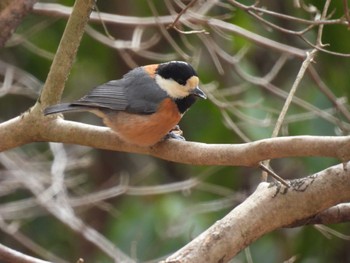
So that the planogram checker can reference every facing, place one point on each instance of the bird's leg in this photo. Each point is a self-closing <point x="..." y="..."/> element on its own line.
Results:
<point x="175" y="133"/>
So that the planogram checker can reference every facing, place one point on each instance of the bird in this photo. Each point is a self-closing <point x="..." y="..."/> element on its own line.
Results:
<point x="145" y="106"/>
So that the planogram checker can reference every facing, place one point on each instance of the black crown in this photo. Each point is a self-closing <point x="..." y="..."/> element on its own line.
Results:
<point x="176" y="70"/>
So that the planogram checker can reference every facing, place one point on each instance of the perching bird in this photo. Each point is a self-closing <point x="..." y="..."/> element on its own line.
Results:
<point x="145" y="106"/>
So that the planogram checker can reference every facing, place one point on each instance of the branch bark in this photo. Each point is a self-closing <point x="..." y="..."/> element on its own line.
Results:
<point x="11" y="15"/>
<point x="33" y="127"/>
<point x="333" y="215"/>
<point x="273" y="207"/>
<point x="65" y="55"/>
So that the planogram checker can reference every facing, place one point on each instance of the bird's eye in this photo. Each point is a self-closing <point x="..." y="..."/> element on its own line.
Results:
<point x="181" y="82"/>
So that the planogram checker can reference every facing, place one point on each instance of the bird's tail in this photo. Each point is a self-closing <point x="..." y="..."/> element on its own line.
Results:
<point x="64" y="107"/>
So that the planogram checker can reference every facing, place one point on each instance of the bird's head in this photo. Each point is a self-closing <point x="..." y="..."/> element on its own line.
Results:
<point x="179" y="80"/>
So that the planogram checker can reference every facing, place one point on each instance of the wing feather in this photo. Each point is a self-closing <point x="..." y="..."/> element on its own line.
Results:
<point x="110" y="95"/>
<point x="136" y="92"/>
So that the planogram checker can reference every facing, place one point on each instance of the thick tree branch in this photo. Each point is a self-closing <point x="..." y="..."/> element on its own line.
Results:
<point x="33" y="128"/>
<point x="66" y="52"/>
<point x="333" y="215"/>
<point x="248" y="154"/>
<point x="273" y="207"/>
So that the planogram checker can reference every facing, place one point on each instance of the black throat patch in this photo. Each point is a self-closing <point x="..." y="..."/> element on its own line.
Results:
<point x="184" y="104"/>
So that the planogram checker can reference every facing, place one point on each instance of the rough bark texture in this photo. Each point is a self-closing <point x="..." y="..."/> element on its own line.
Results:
<point x="270" y="207"/>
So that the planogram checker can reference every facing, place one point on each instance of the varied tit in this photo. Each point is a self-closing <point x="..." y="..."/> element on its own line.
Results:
<point x="145" y="106"/>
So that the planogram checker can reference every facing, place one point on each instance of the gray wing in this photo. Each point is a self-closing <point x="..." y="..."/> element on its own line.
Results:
<point x="136" y="92"/>
<point x="110" y="95"/>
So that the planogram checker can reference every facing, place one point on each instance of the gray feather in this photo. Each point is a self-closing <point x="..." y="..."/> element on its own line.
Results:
<point x="136" y="92"/>
<point x="64" y="107"/>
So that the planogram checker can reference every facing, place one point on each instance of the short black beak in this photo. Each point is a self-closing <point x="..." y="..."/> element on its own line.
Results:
<point x="199" y="93"/>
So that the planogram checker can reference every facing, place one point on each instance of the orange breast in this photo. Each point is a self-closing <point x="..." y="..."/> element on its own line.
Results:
<point x="145" y="130"/>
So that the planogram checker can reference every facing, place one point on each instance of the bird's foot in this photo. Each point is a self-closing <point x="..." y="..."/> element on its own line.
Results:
<point x="175" y="133"/>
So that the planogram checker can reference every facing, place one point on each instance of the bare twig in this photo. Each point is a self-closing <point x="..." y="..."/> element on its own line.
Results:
<point x="61" y="209"/>
<point x="28" y="243"/>
<point x="321" y="27"/>
<point x="173" y="24"/>
<point x="253" y="10"/>
<point x="274" y="175"/>
<point x="299" y="77"/>
<point x="9" y="255"/>
<point x="165" y="33"/>
<point x="329" y="232"/>
<point x="319" y="48"/>
<point x="162" y="20"/>
<point x="256" y="38"/>
<point x="260" y="10"/>
<point x="346" y="12"/>
<point x="309" y="58"/>
<point x="328" y="92"/>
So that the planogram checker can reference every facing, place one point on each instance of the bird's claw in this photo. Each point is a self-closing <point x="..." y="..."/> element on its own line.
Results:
<point x="175" y="133"/>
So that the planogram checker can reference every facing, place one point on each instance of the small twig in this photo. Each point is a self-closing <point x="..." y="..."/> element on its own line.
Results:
<point x="329" y="232"/>
<point x="27" y="242"/>
<point x="108" y="34"/>
<point x="234" y="127"/>
<point x="284" y="30"/>
<point x="341" y="107"/>
<point x="191" y="31"/>
<point x="59" y="10"/>
<point x="173" y="25"/>
<point x="165" y="33"/>
<point x="258" y="39"/>
<point x="209" y="43"/>
<point x="320" y="28"/>
<point x="345" y="55"/>
<point x="309" y="58"/>
<point x="274" y="175"/>
<point x="260" y="10"/>
<point x="9" y="255"/>
<point x="304" y="66"/>
<point x="346" y="11"/>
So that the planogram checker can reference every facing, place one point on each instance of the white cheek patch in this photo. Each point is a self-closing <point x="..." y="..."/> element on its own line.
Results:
<point x="174" y="89"/>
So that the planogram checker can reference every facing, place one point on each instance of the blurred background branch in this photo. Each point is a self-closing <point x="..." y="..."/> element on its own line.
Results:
<point x="11" y="15"/>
